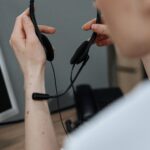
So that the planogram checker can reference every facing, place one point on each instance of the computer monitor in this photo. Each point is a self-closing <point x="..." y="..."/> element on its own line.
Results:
<point x="8" y="105"/>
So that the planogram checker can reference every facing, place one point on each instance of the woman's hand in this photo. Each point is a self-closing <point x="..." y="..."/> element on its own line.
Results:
<point x="31" y="57"/>
<point x="103" y="38"/>
<point x="27" y="47"/>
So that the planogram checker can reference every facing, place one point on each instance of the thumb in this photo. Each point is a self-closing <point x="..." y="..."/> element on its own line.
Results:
<point x="28" y="28"/>
<point x="100" y="29"/>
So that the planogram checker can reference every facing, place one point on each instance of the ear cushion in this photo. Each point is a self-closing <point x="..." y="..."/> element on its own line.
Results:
<point x="48" y="47"/>
<point x="76" y="59"/>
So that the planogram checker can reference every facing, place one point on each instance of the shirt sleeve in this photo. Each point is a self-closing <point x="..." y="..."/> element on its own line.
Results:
<point x="125" y="125"/>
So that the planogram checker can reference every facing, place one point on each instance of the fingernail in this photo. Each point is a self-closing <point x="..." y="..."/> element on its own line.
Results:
<point x="83" y="27"/>
<point x="54" y="29"/>
<point x="94" y="26"/>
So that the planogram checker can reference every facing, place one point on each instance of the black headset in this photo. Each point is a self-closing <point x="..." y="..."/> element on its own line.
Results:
<point x="81" y="54"/>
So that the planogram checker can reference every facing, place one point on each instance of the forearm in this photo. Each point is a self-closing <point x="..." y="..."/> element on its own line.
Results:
<point x="146" y="62"/>
<point x="39" y="129"/>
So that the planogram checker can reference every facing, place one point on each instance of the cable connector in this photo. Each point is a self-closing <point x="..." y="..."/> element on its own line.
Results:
<point x="40" y="96"/>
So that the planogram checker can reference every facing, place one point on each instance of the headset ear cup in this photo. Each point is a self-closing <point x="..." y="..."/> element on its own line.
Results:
<point x="76" y="59"/>
<point x="48" y="47"/>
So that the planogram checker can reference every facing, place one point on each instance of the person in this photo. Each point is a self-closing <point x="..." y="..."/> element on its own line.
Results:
<point x="125" y="23"/>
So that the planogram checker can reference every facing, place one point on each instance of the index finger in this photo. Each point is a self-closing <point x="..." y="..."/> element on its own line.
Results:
<point x="87" y="26"/>
<point x="18" y="27"/>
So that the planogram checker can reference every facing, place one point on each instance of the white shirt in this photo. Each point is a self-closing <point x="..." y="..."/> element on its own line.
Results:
<point x="125" y="125"/>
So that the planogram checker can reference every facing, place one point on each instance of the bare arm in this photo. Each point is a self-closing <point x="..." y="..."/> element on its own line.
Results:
<point x="39" y="131"/>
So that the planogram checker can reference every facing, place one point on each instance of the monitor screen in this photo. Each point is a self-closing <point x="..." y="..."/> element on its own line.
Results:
<point x="5" y="103"/>
<point x="8" y="103"/>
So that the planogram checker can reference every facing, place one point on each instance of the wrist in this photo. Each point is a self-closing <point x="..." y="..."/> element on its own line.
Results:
<point x="34" y="82"/>
<point x="34" y="72"/>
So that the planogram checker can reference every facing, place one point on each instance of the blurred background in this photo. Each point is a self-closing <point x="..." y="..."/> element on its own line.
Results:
<point x="68" y="18"/>
<point x="105" y="68"/>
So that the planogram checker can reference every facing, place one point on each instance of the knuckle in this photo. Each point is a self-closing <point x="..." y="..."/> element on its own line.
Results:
<point x="32" y="41"/>
<point x="13" y="40"/>
<point x="30" y="25"/>
<point x="10" y="42"/>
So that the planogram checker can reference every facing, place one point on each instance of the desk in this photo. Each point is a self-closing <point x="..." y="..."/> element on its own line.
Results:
<point x="12" y="136"/>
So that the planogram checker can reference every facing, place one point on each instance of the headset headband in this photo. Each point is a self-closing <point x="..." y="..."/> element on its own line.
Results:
<point x="81" y="53"/>
<point x="80" y="56"/>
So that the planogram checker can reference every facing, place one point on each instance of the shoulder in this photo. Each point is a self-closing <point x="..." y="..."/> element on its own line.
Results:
<point x="116" y="124"/>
